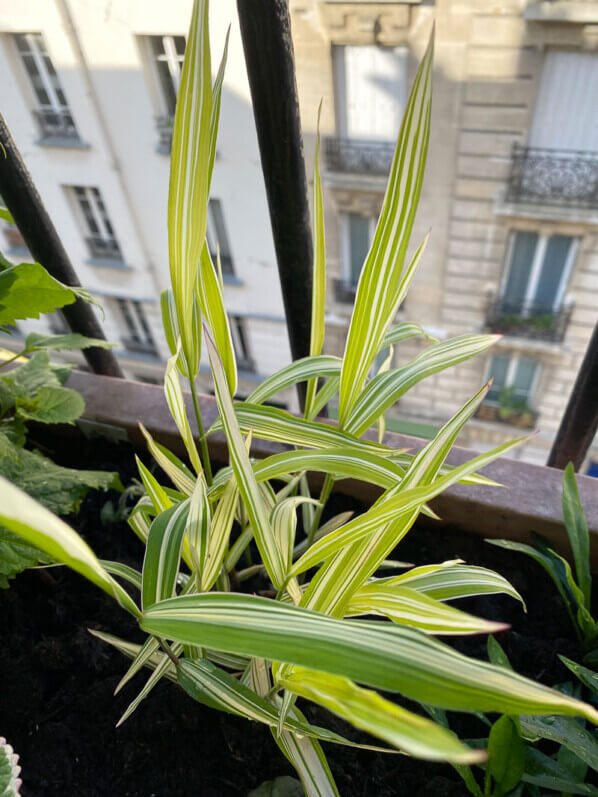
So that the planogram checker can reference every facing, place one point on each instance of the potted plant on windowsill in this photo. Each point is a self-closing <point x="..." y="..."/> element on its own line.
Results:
<point x="258" y="655"/>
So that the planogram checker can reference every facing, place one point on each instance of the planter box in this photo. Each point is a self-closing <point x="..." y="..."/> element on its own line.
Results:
<point x="531" y="502"/>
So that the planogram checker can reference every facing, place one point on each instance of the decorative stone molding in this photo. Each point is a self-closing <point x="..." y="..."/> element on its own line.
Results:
<point x="366" y="23"/>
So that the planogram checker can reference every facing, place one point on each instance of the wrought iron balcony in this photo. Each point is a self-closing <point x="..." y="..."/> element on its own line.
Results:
<point x="553" y="177"/>
<point x="528" y="319"/>
<point x="56" y="123"/>
<point x="358" y="157"/>
<point x="106" y="248"/>
<point x="164" y="125"/>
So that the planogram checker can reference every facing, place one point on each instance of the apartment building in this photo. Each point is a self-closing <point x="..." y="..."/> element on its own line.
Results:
<point x="88" y="91"/>
<point x="511" y="191"/>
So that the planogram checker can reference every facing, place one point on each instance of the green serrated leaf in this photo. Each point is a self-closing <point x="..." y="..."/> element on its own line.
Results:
<point x="52" y="404"/>
<point x="27" y="290"/>
<point x="70" y="342"/>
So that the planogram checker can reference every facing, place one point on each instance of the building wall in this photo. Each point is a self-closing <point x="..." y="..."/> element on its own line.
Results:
<point x="488" y="61"/>
<point x="105" y="67"/>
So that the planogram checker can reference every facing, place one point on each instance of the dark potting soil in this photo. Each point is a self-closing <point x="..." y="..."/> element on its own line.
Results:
<point x="58" y="711"/>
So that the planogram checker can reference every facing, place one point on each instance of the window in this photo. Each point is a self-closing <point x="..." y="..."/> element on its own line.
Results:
<point x="217" y="237"/>
<point x="356" y="235"/>
<point x="239" y="336"/>
<point x="537" y="273"/>
<point x="139" y="336"/>
<point x="515" y="374"/>
<point x="371" y="91"/>
<point x="168" y="53"/>
<point x="52" y="111"/>
<point x="95" y="223"/>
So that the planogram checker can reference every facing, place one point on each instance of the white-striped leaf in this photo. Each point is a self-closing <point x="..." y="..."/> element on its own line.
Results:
<point x="284" y="525"/>
<point x="452" y="580"/>
<point x="163" y="554"/>
<point x="306" y="368"/>
<point x="140" y="517"/>
<point x="271" y="423"/>
<point x="318" y="295"/>
<point x="146" y="652"/>
<point x="211" y="301"/>
<point x="369" y="711"/>
<point x="177" y="471"/>
<point x="387" y="388"/>
<point x="123" y="571"/>
<point x="379" y="288"/>
<point x="172" y="333"/>
<point x="198" y="526"/>
<point x="190" y="171"/>
<point x="28" y="519"/>
<point x="176" y="404"/>
<point x="324" y="395"/>
<point x="163" y="668"/>
<point x="405" y="331"/>
<point x="388" y="509"/>
<point x="409" y="607"/>
<point x="157" y="494"/>
<point x="382" y="655"/>
<point x="253" y="500"/>
<point x="222" y="523"/>
<point x="216" y="97"/>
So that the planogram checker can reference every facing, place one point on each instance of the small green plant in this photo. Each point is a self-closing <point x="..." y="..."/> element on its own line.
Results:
<point x="208" y="534"/>
<point x="574" y="585"/>
<point x="10" y="782"/>
<point x="33" y="389"/>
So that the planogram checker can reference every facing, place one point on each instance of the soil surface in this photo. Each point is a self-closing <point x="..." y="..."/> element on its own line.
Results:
<point x="58" y="711"/>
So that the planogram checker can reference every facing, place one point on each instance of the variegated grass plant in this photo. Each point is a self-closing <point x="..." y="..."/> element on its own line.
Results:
<point x="254" y="656"/>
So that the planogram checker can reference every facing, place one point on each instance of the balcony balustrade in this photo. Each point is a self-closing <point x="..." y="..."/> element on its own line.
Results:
<point x="56" y="123"/>
<point x="553" y="177"/>
<point x="105" y="248"/>
<point x="358" y="157"/>
<point x="528" y="319"/>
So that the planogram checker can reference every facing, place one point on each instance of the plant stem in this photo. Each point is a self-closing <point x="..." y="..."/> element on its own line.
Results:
<point x="324" y="496"/>
<point x="203" y="443"/>
<point x="166" y="648"/>
<point x="16" y="357"/>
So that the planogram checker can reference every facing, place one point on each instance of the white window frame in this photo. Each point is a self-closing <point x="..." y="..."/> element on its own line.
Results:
<point x="510" y="375"/>
<point x="345" y="225"/>
<point x="55" y="104"/>
<point x="238" y="331"/>
<point x="134" y="319"/>
<point x="173" y="61"/>
<point x="536" y="268"/>
<point x="99" y="212"/>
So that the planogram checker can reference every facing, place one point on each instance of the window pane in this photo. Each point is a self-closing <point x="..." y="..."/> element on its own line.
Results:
<point x="523" y="378"/>
<point x="168" y="90"/>
<point x="552" y="271"/>
<point x="498" y="369"/>
<point x="522" y="256"/>
<point x="217" y="237"/>
<point x="359" y="244"/>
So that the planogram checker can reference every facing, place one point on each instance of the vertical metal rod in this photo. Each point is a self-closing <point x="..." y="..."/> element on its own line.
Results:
<point x="580" y="421"/>
<point x="268" y="46"/>
<point x="31" y="217"/>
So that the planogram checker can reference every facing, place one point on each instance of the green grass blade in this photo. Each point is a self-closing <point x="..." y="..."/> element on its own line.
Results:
<point x="157" y="494"/>
<point x="381" y="655"/>
<point x="305" y="754"/>
<point x="163" y="554"/>
<point x="307" y="368"/>
<point x="198" y="526"/>
<point x="177" y="471"/>
<point x="189" y="171"/>
<point x="28" y="519"/>
<point x="326" y="393"/>
<point x="246" y="482"/>
<point x="176" y="404"/>
<point x="123" y="571"/>
<point x="271" y="423"/>
<point x="405" y="331"/>
<point x="216" y="97"/>
<point x="449" y="581"/>
<point x="188" y="368"/>
<point x="409" y="607"/>
<point x="418" y="736"/>
<point x="211" y="301"/>
<point x="318" y="296"/>
<point x="379" y="288"/>
<point x="222" y="523"/>
<point x="577" y="529"/>
<point x="387" y="388"/>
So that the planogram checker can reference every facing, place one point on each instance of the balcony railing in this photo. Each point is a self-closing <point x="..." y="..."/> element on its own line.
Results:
<point x="164" y="125"/>
<point x="522" y="417"/>
<point x="358" y="157"/>
<point x="106" y="248"/>
<point x="56" y="123"/>
<point x="553" y="177"/>
<point x="528" y="319"/>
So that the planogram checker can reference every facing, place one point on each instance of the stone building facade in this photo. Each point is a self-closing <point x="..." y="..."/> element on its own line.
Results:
<point x="510" y="194"/>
